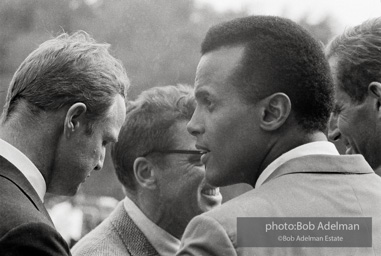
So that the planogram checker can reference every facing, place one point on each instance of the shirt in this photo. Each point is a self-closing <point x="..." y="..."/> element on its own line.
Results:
<point x="26" y="167"/>
<point x="312" y="148"/>
<point x="164" y="243"/>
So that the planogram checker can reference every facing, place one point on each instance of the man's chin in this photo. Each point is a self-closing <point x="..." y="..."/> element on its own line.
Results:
<point x="218" y="180"/>
<point x="62" y="190"/>
<point x="213" y="176"/>
<point x="74" y="190"/>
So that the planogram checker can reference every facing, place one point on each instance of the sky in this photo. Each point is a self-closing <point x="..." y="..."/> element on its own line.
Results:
<point x="347" y="12"/>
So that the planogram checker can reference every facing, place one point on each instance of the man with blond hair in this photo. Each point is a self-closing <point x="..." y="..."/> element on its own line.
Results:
<point x="65" y="103"/>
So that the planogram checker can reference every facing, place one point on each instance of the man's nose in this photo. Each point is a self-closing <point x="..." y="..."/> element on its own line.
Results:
<point x="194" y="127"/>
<point x="99" y="165"/>
<point x="333" y="129"/>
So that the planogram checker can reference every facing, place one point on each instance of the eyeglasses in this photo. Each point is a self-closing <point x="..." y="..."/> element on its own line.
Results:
<point x="175" y="151"/>
<point x="195" y="159"/>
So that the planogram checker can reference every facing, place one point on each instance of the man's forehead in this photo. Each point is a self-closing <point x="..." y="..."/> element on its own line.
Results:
<point x="216" y="66"/>
<point x="205" y="71"/>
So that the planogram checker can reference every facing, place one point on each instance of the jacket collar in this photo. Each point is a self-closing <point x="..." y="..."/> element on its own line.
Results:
<point x="134" y="240"/>
<point x="10" y="172"/>
<point x="328" y="164"/>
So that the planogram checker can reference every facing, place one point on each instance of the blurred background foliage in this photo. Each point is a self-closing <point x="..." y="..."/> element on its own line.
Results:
<point x="157" y="40"/>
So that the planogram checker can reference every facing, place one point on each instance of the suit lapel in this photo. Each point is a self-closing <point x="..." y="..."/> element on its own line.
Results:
<point x="328" y="164"/>
<point x="10" y="172"/>
<point x="135" y="241"/>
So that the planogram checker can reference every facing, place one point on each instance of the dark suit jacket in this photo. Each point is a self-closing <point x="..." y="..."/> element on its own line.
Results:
<point x="117" y="235"/>
<point x="25" y="225"/>
<point x="309" y="186"/>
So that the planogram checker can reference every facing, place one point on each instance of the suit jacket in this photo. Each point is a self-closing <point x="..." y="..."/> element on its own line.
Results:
<point x="117" y="235"/>
<point x="309" y="186"/>
<point x="25" y="226"/>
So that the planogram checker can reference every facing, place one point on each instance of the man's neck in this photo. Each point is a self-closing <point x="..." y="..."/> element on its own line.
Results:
<point x="34" y="139"/>
<point x="286" y="143"/>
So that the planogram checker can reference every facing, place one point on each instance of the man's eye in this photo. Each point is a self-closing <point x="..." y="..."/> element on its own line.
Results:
<point x="209" y="104"/>
<point x="206" y="101"/>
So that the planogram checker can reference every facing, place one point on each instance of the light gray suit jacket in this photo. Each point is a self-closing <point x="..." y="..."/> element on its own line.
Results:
<point x="117" y="235"/>
<point x="309" y="186"/>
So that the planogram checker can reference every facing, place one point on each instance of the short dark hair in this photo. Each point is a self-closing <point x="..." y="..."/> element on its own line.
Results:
<point x="279" y="56"/>
<point x="358" y="55"/>
<point x="65" y="70"/>
<point x="147" y="127"/>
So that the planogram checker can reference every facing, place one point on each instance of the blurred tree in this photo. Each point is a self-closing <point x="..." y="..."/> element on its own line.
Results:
<point x="158" y="40"/>
<point x="16" y="17"/>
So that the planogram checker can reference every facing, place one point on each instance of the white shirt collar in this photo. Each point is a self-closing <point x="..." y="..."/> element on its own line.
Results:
<point x="25" y="166"/>
<point x="164" y="243"/>
<point x="312" y="148"/>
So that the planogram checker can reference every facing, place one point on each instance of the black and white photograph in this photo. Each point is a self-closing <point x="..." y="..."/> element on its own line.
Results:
<point x="190" y="127"/>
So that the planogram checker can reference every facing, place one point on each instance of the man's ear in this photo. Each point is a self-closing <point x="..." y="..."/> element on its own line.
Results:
<point x="374" y="90"/>
<point x="75" y="119"/>
<point x="144" y="173"/>
<point x="275" y="110"/>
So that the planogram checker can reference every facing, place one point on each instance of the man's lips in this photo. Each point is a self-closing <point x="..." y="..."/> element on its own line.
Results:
<point x="210" y="197"/>
<point x="210" y="191"/>
<point x="202" y="148"/>
<point x="204" y="158"/>
<point x="349" y="150"/>
<point x="205" y="152"/>
<point x="87" y="176"/>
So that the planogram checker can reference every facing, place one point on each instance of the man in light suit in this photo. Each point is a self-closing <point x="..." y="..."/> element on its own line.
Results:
<point x="65" y="103"/>
<point x="163" y="178"/>
<point x="355" y="61"/>
<point x="264" y="96"/>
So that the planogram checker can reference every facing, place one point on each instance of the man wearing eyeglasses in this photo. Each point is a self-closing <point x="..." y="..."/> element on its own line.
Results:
<point x="162" y="175"/>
